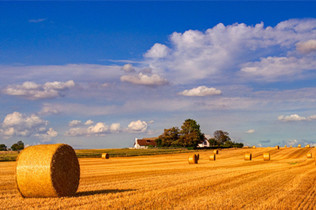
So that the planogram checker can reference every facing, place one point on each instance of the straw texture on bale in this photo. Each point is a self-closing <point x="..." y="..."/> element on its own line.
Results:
<point x="299" y="146"/>
<point x="47" y="171"/>
<point x="215" y="151"/>
<point x="213" y="157"/>
<point x="254" y="147"/>
<point x="309" y="155"/>
<point x="193" y="159"/>
<point x="248" y="156"/>
<point x="277" y="147"/>
<point x="105" y="156"/>
<point x="266" y="156"/>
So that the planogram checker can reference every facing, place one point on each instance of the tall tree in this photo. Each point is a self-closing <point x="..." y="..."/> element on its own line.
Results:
<point x="190" y="134"/>
<point x="3" y="147"/>
<point x="169" y="137"/>
<point x="18" y="146"/>
<point x="221" y="136"/>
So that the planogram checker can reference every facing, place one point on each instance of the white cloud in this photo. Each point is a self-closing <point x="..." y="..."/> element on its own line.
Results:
<point x="39" y="20"/>
<point x="74" y="123"/>
<point x="88" y="122"/>
<point x="144" y="79"/>
<point x="99" y="128"/>
<point x="17" y="124"/>
<point x="137" y="126"/>
<point x="296" y="117"/>
<point x="115" y="127"/>
<point x="201" y="91"/>
<point x="250" y="131"/>
<point x="221" y="50"/>
<point x="307" y="46"/>
<point x="33" y="91"/>
<point x="128" y="68"/>
<point x="157" y="51"/>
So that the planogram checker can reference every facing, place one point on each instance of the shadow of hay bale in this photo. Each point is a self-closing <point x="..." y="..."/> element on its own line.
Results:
<point x="97" y="192"/>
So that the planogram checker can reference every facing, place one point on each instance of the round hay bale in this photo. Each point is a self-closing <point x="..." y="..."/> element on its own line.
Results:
<point x="193" y="159"/>
<point x="215" y="151"/>
<point x="291" y="146"/>
<point x="299" y="146"/>
<point x="213" y="157"/>
<point x="277" y="147"/>
<point x="105" y="156"/>
<point x="285" y="146"/>
<point x="248" y="156"/>
<point x="197" y="157"/>
<point x="50" y="170"/>
<point x="266" y="156"/>
<point x="308" y="146"/>
<point x="309" y="155"/>
<point x="254" y="147"/>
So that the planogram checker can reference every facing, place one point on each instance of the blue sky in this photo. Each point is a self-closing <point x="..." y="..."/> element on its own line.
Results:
<point x="99" y="74"/>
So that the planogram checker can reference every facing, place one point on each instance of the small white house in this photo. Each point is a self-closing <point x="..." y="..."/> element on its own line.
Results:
<point x="205" y="143"/>
<point x="144" y="143"/>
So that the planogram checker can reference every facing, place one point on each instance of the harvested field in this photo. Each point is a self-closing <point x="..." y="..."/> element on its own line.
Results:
<point x="287" y="181"/>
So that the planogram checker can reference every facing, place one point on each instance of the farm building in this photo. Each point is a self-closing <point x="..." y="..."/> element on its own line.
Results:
<point x="205" y="143"/>
<point x="144" y="143"/>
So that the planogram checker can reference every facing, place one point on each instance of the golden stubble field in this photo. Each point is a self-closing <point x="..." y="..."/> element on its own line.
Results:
<point x="288" y="181"/>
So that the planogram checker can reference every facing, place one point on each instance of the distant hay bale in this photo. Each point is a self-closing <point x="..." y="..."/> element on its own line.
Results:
<point x="198" y="157"/>
<point x="193" y="159"/>
<point x="266" y="156"/>
<point x="254" y="147"/>
<point x="105" y="156"/>
<point x="299" y="146"/>
<point x="277" y="147"/>
<point x="308" y="146"/>
<point x="285" y="146"/>
<point x="291" y="146"/>
<point x="47" y="171"/>
<point x="215" y="151"/>
<point x="212" y="157"/>
<point x="248" y="156"/>
<point x="309" y="155"/>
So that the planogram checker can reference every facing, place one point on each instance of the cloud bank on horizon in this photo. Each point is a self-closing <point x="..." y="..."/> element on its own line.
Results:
<point x="245" y="75"/>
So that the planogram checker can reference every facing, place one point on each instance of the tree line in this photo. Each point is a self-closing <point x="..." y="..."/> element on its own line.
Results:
<point x="190" y="135"/>
<point x="15" y="147"/>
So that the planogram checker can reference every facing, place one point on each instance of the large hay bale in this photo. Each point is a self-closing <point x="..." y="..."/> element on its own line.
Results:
<point x="309" y="155"/>
<point x="215" y="151"/>
<point x="105" y="156"/>
<point x="50" y="170"/>
<point x="277" y="147"/>
<point x="299" y="146"/>
<point x="266" y="156"/>
<point x="193" y="159"/>
<point x="248" y="156"/>
<point x="212" y="157"/>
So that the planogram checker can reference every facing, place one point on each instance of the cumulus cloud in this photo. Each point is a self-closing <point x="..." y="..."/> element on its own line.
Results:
<point x="137" y="126"/>
<point x="18" y="124"/>
<point x="201" y="91"/>
<point x="33" y="91"/>
<point x="99" y="129"/>
<point x="128" y="68"/>
<point x="250" y="131"/>
<point x="195" y="55"/>
<point x="295" y="117"/>
<point x="144" y="79"/>
<point x="74" y="123"/>
<point x="307" y="46"/>
<point x="157" y="51"/>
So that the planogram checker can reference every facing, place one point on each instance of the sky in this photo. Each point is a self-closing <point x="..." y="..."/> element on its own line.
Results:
<point x="100" y="74"/>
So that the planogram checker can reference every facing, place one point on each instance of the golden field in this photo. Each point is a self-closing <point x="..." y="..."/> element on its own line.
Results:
<point x="287" y="181"/>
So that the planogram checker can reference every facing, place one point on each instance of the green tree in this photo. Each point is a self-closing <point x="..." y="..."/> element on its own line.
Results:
<point x="221" y="137"/>
<point x="3" y="147"/>
<point x="17" y="146"/>
<point x="169" y="137"/>
<point x="190" y="134"/>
